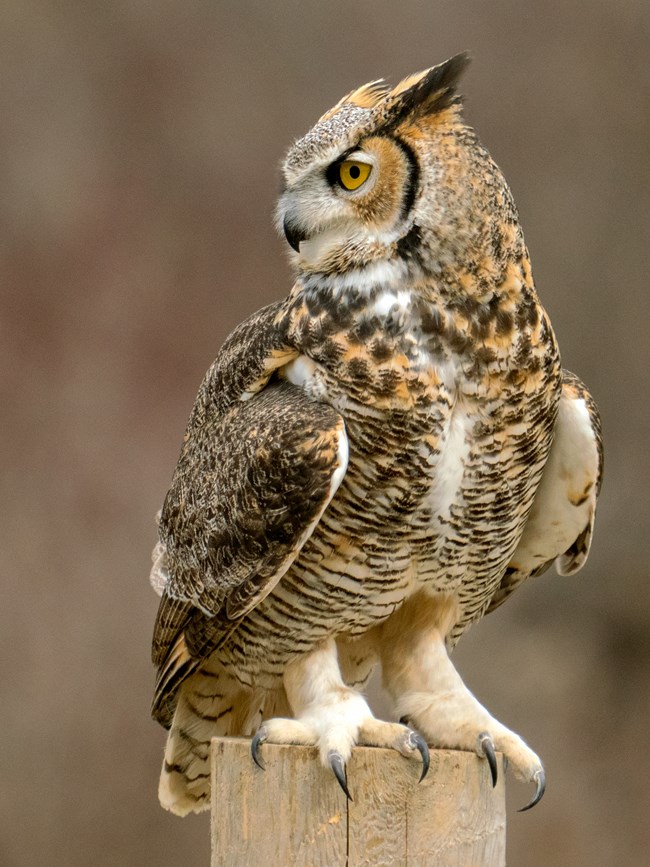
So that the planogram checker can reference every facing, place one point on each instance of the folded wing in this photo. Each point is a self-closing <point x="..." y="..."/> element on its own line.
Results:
<point x="561" y="520"/>
<point x="254" y="477"/>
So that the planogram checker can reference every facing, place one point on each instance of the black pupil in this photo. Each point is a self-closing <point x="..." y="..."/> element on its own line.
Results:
<point x="355" y="171"/>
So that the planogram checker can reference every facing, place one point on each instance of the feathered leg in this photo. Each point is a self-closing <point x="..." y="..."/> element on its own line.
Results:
<point x="331" y="715"/>
<point x="430" y="694"/>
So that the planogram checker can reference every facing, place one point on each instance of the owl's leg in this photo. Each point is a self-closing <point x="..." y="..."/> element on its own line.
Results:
<point x="331" y="715"/>
<point x="430" y="694"/>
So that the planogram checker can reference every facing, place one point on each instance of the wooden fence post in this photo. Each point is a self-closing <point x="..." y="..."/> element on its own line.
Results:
<point x="294" y="813"/>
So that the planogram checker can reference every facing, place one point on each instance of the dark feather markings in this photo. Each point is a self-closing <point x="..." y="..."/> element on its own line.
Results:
<point x="412" y="184"/>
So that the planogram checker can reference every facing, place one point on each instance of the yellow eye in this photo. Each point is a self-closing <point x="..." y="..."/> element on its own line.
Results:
<point x="352" y="174"/>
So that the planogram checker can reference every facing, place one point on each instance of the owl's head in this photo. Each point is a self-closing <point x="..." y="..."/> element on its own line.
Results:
<point x="385" y="176"/>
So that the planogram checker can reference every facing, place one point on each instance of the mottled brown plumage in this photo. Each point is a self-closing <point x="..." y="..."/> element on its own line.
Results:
<point x="374" y="462"/>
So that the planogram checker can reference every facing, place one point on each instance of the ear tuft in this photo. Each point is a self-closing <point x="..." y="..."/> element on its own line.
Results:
<point x="426" y="92"/>
<point x="369" y="95"/>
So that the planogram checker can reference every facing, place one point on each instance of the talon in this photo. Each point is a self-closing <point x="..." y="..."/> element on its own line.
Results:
<point x="487" y="746"/>
<point x="258" y="739"/>
<point x="338" y="766"/>
<point x="417" y="742"/>
<point x="540" y="781"/>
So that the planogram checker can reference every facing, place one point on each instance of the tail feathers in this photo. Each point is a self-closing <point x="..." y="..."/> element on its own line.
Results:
<point x="185" y="778"/>
<point x="210" y="704"/>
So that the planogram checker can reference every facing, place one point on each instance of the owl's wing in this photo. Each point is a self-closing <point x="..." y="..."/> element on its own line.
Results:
<point x="561" y="520"/>
<point x="258" y="468"/>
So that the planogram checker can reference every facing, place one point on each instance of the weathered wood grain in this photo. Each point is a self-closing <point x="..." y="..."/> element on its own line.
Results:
<point x="294" y="813"/>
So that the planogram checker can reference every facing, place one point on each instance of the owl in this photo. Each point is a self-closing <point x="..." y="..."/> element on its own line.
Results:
<point x="373" y="463"/>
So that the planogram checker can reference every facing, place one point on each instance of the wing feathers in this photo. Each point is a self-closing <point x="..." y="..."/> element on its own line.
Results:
<point x="560" y="523"/>
<point x="250" y="487"/>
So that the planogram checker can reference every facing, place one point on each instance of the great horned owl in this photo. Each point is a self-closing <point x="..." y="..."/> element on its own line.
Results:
<point x="373" y="463"/>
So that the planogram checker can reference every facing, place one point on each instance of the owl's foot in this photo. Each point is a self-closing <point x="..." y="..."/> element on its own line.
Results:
<point x="456" y="720"/>
<point x="336" y="731"/>
<point x="333" y="717"/>
<point x="487" y="749"/>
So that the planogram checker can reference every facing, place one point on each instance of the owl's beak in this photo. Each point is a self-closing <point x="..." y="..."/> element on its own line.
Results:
<point x="293" y="234"/>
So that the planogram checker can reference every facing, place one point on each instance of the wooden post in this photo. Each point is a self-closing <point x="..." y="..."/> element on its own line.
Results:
<point x="294" y="813"/>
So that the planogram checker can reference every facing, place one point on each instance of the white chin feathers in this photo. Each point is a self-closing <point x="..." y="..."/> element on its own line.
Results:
<point x="320" y="247"/>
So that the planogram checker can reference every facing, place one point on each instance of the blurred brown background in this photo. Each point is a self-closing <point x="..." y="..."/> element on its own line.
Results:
<point x="139" y="145"/>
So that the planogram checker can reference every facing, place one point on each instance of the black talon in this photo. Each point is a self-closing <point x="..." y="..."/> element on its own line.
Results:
<point x="540" y="780"/>
<point x="421" y="745"/>
<point x="487" y="745"/>
<point x="258" y="739"/>
<point x="338" y="766"/>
